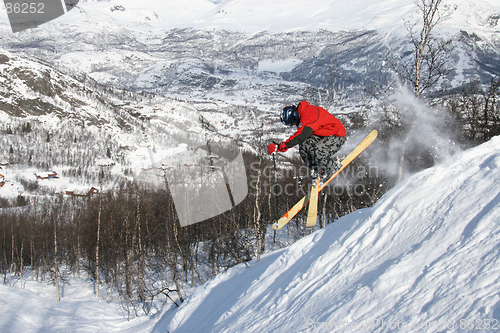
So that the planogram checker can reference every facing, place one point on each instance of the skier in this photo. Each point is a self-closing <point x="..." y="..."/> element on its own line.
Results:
<point x="319" y="136"/>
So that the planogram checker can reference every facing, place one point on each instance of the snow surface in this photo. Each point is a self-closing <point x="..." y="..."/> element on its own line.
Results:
<point x="34" y="309"/>
<point x="274" y="16"/>
<point x="424" y="258"/>
<point x="278" y="66"/>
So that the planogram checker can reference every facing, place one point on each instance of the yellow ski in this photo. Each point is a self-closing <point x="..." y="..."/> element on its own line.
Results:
<point x="312" y="213"/>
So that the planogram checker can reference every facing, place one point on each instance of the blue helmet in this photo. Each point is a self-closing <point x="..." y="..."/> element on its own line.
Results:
<point x="290" y="115"/>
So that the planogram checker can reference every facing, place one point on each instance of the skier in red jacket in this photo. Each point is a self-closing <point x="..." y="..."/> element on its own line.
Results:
<point x="319" y="136"/>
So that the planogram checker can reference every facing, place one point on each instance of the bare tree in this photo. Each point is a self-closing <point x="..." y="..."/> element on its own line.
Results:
<point x="257" y="215"/>
<point x="428" y="63"/>
<point x="478" y="110"/>
<point x="491" y="114"/>
<point x="97" y="272"/>
<point x="56" y="266"/>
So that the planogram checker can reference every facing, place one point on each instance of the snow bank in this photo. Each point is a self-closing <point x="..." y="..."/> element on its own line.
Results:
<point x="425" y="258"/>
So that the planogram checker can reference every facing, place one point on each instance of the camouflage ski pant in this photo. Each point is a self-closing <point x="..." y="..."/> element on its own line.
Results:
<point x="317" y="153"/>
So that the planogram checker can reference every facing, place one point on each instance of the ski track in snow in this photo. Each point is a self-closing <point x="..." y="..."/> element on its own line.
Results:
<point x="426" y="254"/>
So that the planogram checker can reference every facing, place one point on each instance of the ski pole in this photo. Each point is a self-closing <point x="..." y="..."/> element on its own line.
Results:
<point x="275" y="193"/>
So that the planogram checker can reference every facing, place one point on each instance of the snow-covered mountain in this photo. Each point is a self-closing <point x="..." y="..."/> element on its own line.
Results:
<point x="423" y="259"/>
<point x="254" y="52"/>
<point x="31" y="87"/>
<point x="53" y="120"/>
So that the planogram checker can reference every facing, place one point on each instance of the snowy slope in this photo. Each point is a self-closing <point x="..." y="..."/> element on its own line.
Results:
<point x="275" y="16"/>
<point x="425" y="257"/>
<point x="35" y="309"/>
<point x="385" y="16"/>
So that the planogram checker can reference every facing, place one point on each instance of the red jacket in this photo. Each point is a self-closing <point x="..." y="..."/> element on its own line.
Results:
<point x="319" y="120"/>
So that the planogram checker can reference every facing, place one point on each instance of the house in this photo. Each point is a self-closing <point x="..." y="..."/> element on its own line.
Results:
<point x="46" y="175"/>
<point x="81" y="191"/>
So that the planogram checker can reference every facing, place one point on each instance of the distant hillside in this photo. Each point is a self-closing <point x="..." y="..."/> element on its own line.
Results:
<point x="252" y="52"/>
<point x="32" y="87"/>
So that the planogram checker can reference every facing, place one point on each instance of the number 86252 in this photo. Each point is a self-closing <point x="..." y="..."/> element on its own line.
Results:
<point x="25" y="8"/>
